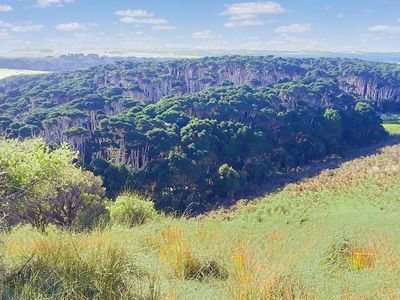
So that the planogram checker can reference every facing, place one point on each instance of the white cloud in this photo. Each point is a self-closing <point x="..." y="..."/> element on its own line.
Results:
<point x="27" y="28"/>
<point x="130" y="34"/>
<point x="340" y="16"/>
<point x="206" y="35"/>
<point x="134" y="13"/>
<point x="144" y="21"/>
<point x="242" y="23"/>
<point x="6" y="8"/>
<point x="385" y="29"/>
<point x="257" y="8"/>
<point x="294" y="28"/>
<point x="248" y="13"/>
<point x="243" y="17"/>
<point x="4" y="24"/>
<point x="49" y="3"/>
<point x="72" y="27"/>
<point x="163" y="28"/>
<point x="141" y="18"/>
<point x="3" y="33"/>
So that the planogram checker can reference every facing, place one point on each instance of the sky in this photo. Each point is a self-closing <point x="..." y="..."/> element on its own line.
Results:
<point x="98" y="26"/>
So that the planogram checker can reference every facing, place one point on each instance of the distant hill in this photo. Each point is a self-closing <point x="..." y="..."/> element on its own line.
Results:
<point x="61" y="63"/>
<point x="4" y="73"/>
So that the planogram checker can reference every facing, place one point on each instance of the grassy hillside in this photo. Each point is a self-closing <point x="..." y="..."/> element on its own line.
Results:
<point x="4" y="73"/>
<point x="334" y="236"/>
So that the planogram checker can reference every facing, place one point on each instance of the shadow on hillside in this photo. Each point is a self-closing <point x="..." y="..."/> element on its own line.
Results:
<point x="308" y="171"/>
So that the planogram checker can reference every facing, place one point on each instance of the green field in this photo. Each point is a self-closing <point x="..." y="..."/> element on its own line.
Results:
<point x="4" y="73"/>
<point x="334" y="236"/>
<point x="392" y="128"/>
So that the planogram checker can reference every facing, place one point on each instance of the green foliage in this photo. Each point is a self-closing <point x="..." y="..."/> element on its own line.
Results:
<point x="147" y="127"/>
<point x="41" y="186"/>
<point x="131" y="209"/>
<point x="227" y="181"/>
<point x="365" y="125"/>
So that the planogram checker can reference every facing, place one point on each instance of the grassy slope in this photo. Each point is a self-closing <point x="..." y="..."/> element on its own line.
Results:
<point x="329" y="237"/>
<point x="335" y="236"/>
<point x="4" y="73"/>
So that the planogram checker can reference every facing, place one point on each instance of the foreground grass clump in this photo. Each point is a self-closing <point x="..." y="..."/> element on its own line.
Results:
<point x="177" y="253"/>
<point x="334" y="236"/>
<point x="64" y="265"/>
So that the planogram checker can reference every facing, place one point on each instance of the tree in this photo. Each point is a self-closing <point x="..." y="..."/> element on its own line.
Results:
<point x="227" y="182"/>
<point x="50" y="188"/>
<point x="333" y="124"/>
<point x="363" y="125"/>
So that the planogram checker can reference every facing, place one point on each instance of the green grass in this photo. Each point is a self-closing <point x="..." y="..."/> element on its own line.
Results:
<point x="392" y="128"/>
<point x="335" y="236"/>
<point x="4" y="73"/>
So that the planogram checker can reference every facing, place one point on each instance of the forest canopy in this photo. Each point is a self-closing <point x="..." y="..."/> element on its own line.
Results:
<point x="192" y="132"/>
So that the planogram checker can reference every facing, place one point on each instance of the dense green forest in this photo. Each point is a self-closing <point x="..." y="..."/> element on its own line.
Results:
<point x="189" y="133"/>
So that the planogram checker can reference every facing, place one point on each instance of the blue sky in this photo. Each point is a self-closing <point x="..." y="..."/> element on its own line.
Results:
<point x="282" y="25"/>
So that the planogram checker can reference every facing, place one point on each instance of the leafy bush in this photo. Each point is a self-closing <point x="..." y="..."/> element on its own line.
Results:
<point x="131" y="209"/>
<point x="41" y="186"/>
<point x="228" y="181"/>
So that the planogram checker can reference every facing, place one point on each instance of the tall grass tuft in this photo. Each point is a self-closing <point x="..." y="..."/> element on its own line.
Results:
<point x="63" y="265"/>
<point x="177" y="253"/>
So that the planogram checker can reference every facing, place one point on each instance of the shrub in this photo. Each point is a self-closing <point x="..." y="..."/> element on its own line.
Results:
<point x="131" y="209"/>
<point x="227" y="181"/>
<point x="41" y="186"/>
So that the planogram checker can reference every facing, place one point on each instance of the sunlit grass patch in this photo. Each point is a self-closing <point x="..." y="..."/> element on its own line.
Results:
<point x="254" y="279"/>
<point x="360" y="259"/>
<point x="392" y="128"/>
<point x="178" y="254"/>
